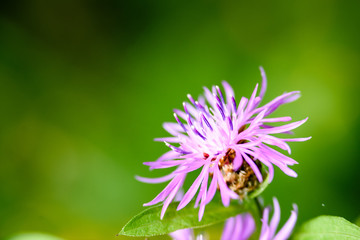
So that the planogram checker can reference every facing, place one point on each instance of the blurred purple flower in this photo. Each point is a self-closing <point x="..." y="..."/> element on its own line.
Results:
<point x="183" y="234"/>
<point x="268" y="230"/>
<point x="187" y="234"/>
<point x="228" y="140"/>
<point x="242" y="226"/>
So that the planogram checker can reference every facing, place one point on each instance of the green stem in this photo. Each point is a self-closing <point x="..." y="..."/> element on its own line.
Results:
<point x="259" y="207"/>
<point x="257" y="211"/>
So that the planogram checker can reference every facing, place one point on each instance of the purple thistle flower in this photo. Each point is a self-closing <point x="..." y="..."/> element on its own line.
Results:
<point x="242" y="226"/>
<point x="228" y="141"/>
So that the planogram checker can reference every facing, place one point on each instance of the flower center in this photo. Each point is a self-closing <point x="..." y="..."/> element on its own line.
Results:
<point x="241" y="181"/>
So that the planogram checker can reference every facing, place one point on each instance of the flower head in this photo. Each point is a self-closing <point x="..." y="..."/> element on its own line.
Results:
<point x="229" y="140"/>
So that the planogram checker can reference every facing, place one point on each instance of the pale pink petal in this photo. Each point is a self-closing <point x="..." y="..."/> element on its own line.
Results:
<point x="279" y="119"/>
<point x="168" y="139"/>
<point x="263" y="84"/>
<point x="164" y="193"/>
<point x="286" y="230"/>
<point x="228" y="229"/>
<point x="193" y="189"/>
<point x="283" y="128"/>
<point x="173" y="128"/>
<point x="183" y="234"/>
<point x="239" y="227"/>
<point x="249" y="226"/>
<point x="212" y="188"/>
<point x="238" y="161"/>
<point x="265" y="230"/>
<point x="296" y="139"/>
<point x="155" y="180"/>
<point x="275" y="218"/>
<point x="251" y="103"/>
<point x="168" y="156"/>
<point x="171" y="196"/>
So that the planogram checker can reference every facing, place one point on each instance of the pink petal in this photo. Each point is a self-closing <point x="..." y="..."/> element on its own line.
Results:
<point x="171" y="197"/>
<point x="182" y="234"/>
<point x="296" y="139"/>
<point x="164" y="164"/>
<point x="276" y="217"/>
<point x="168" y="139"/>
<point x="275" y="155"/>
<point x="277" y="102"/>
<point x="237" y="233"/>
<point x="255" y="123"/>
<point x="164" y="193"/>
<point x="203" y="189"/>
<point x="283" y="128"/>
<point x="238" y="161"/>
<point x="263" y="83"/>
<point x="155" y="180"/>
<point x="276" y="142"/>
<point x="228" y="229"/>
<point x="286" y="230"/>
<point x="251" y="104"/>
<point x="249" y="226"/>
<point x="173" y="128"/>
<point x="228" y="90"/>
<point x="168" y="156"/>
<point x="279" y="119"/>
<point x="212" y="188"/>
<point x="265" y="230"/>
<point x="193" y="189"/>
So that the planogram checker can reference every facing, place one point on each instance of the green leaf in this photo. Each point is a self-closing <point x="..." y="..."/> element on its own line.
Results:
<point x="260" y="189"/>
<point x="328" y="227"/>
<point x="148" y="223"/>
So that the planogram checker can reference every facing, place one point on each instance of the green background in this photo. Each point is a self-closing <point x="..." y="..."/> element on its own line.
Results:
<point x="86" y="85"/>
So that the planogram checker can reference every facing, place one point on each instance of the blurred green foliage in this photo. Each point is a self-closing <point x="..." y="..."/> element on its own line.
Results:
<point x="86" y="85"/>
<point x="33" y="236"/>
